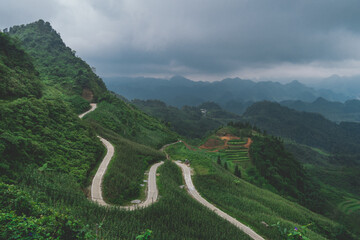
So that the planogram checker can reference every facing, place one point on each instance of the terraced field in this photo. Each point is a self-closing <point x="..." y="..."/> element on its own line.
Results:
<point x="237" y="154"/>
<point x="350" y="205"/>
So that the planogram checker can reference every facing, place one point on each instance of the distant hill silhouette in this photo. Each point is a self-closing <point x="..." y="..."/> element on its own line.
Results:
<point x="335" y="111"/>
<point x="306" y="128"/>
<point x="179" y="91"/>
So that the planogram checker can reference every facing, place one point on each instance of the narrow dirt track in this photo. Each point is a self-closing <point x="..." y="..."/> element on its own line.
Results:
<point x="96" y="192"/>
<point x="195" y="194"/>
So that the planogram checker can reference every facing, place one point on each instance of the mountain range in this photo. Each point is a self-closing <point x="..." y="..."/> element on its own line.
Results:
<point x="49" y="156"/>
<point x="179" y="91"/>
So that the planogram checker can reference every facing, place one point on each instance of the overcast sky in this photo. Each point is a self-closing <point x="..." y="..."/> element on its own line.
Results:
<point x="204" y="40"/>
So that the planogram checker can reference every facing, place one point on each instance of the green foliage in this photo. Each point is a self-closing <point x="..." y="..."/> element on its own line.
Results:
<point x="237" y="172"/>
<point x="175" y="216"/>
<point x="226" y="166"/>
<point x="292" y="234"/>
<point x="39" y="131"/>
<point x="124" y="119"/>
<point x="78" y="104"/>
<point x="187" y="121"/>
<point x="125" y="173"/>
<point x="249" y="203"/>
<point x="18" y="77"/>
<point x="145" y="236"/>
<point x="305" y="128"/>
<point x="23" y="218"/>
<point x="284" y="172"/>
<point x="57" y="64"/>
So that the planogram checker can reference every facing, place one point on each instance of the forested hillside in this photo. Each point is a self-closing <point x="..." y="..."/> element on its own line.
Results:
<point x="18" y="77"/>
<point x="306" y="128"/>
<point x="57" y="64"/>
<point x="189" y="121"/>
<point x="334" y="111"/>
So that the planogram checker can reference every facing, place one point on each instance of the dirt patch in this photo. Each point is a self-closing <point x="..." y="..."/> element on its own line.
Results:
<point x="248" y="144"/>
<point x="212" y="143"/>
<point x="188" y="146"/>
<point x="229" y="137"/>
<point x="87" y="94"/>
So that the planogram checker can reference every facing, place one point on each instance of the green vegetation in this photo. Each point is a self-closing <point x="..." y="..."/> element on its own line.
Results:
<point x="129" y="122"/>
<point x="17" y="73"/>
<point x="350" y="205"/>
<point x="187" y="121"/>
<point x="126" y="170"/>
<point x="305" y="128"/>
<point x="57" y="64"/>
<point x="284" y="172"/>
<point x="348" y="111"/>
<point x="39" y="131"/>
<point x="175" y="216"/>
<point x="23" y="218"/>
<point x="249" y="203"/>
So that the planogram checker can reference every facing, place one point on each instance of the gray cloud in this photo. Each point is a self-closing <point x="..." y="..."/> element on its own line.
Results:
<point x="203" y="38"/>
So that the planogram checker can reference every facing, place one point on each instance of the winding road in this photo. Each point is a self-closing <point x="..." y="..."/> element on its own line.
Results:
<point x="152" y="191"/>
<point x="96" y="193"/>
<point x="195" y="194"/>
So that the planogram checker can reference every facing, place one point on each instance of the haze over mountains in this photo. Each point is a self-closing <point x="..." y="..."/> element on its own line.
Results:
<point x="179" y="91"/>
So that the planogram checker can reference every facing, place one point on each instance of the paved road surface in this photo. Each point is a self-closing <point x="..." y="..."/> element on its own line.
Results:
<point x="96" y="193"/>
<point x="93" y="107"/>
<point x="195" y="194"/>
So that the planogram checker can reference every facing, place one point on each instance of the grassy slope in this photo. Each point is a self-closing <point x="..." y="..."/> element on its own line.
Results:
<point x="131" y="123"/>
<point x="175" y="216"/>
<point x="247" y="202"/>
<point x="126" y="170"/>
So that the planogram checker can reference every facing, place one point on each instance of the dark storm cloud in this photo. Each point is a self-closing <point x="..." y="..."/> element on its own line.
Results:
<point x="207" y="37"/>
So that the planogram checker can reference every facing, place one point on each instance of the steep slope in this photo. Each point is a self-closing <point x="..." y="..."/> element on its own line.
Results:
<point x="18" y="77"/>
<point x="306" y="128"/>
<point x="57" y="64"/>
<point x="129" y="122"/>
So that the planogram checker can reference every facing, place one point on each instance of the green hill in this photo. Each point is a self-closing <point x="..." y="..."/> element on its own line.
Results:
<point x="334" y="111"/>
<point x="306" y="128"/>
<point x="58" y="65"/>
<point x="50" y="155"/>
<point x="18" y="75"/>
<point x="192" y="122"/>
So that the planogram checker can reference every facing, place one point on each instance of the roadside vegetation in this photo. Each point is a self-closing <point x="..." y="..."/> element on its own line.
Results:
<point x="131" y="123"/>
<point x="126" y="170"/>
<point x="249" y="203"/>
<point x="175" y="216"/>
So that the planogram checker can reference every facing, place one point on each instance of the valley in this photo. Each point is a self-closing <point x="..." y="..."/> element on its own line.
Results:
<point x="75" y="156"/>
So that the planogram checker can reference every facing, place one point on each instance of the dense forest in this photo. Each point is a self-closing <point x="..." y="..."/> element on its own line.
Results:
<point x="19" y="78"/>
<point x="58" y="65"/>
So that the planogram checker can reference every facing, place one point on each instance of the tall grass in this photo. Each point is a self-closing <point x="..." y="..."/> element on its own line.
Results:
<point x="175" y="216"/>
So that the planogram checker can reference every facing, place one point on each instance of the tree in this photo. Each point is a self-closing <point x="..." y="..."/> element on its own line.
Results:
<point x="219" y="160"/>
<point x="237" y="171"/>
<point x="226" y="166"/>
